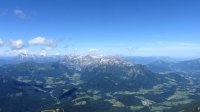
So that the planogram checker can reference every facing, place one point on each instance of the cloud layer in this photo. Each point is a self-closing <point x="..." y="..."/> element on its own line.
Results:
<point x="16" y="44"/>
<point x="42" y="41"/>
<point x="44" y="46"/>
<point x="1" y="42"/>
<point x="93" y="50"/>
<point x="19" y="13"/>
<point x="22" y="47"/>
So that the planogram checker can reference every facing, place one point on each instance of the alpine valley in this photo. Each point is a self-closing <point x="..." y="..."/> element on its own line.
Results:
<point x="91" y="83"/>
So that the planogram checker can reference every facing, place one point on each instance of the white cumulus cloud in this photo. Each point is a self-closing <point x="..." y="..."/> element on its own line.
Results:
<point x="19" y="13"/>
<point x="16" y="44"/>
<point x="131" y="49"/>
<point x="43" y="53"/>
<point x="21" y="52"/>
<point x="93" y="50"/>
<point x="42" y="41"/>
<point x="1" y="42"/>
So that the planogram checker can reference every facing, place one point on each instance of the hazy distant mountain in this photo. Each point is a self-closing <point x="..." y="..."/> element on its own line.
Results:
<point x="19" y="59"/>
<point x="190" y="66"/>
<point x="160" y="66"/>
<point x="147" y="60"/>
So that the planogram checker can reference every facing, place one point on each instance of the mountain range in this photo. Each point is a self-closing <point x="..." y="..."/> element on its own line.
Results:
<point x="189" y="66"/>
<point x="84" y="83"/>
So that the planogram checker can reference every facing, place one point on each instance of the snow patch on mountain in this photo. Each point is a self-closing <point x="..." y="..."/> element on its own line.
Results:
<point x="80" y="61"/>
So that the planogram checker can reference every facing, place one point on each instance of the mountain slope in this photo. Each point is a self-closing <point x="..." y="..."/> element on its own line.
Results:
<point x="190" y="66"/>
<point x="91" y="83"/>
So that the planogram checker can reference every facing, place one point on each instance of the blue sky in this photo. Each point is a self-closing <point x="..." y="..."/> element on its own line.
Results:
<point x="109" y="27"/>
